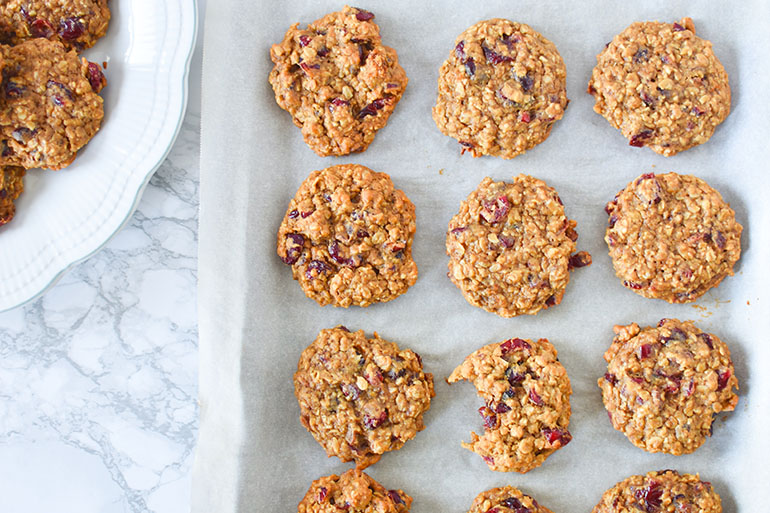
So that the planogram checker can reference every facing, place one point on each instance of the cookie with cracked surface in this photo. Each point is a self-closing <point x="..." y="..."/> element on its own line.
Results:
<point x="76" y="23"/>
<point x="50" y="106"/>
<point x="662" y="491"/>
<point x="361" y="397"/>
<point x="347" y="236"/>
<point x="11" y="186"/>
<point x="511" y="247"/>
<point x="661" y="86"/>
<point x="501" y="89"/>
<point x="665" y="385"/>
<point x="506" y="499"/>
<point x="355" y="492"/>
<point x="527" y="410"/>
<point x="337" y="80"/>
<point x="672" y="237"/>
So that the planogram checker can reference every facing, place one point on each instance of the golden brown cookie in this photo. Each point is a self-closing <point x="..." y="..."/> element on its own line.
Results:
<point x="506" y="500"/>
<point x="49" y="106"/>
<point x="347" y="236"/>
<point x="76" y="23"/>
<point x="661" y="86"/>
<point x="11" y="186"/>
<point x="511" y="247"/>
<point x="672" y="237"/>
<point x="501" y="89"/>
<point x="527" y="408"/>
<point x="665" y="491"/>
<point x="354" y="492"/>
<point x="665" y="385"/>
<point x="360" y="397"/>
<point x="337" y="80"/>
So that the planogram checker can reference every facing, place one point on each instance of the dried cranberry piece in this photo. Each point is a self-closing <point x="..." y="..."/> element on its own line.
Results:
<point x="489" y="460"/>
<point x="318" y="266"/>
<point x="334" y="252"/>
<point x="96" y="77"/>
<point x="510" y="393"/>
<point x="580" y="259"/>
<point x="339" y="102"/>
<point x="343" y="328"/>
<point x="612" y="220"/>
<point x="323" y="52"/>
<point x="506" y="241"/>
<point x="551" y="301"/>
<point x="650" y="496"/>
<point x="502" y="408"/>
<point x="294" y="214"/>
<point x="557" y="437"/>
<point x="525" y="117"/>
<point x="678" y="27"/>
<point x="294" y="244"/>
<point x="71" y="28"/>
<point x="632" y="285"/>
<point x="722" y="379"/>
<point x="611" y="378"/>
<point x="647" y="99"/>
<point x="495" y="210"/>
<point x="492" y="510"/>
<point x="489" y="417"/>
<point x="40" y="28"/>
<point x="372" y="108"/>
<point x="513" y="344"/>
<point x="645" y="350"/>
<point x="640" y="139"/>
<point x="362" y="15"/>
<point x="307" y="67"/>
<point x="322" y="493"/>
<point x="707" y="339"/>
<point x="303" y="215"/>
<point x="511" y="503"/>
<point x="514" y="378"/>
<point x="361" y="234"/>
<point x="535" y="397"/>
<point x="493" y="57"/>
<point x="460" y="50"/>
<point x="641" y="55"/>
<point x="304" y="40"/>
<point x="375" y="422"/>
<point x="374" y="379"/>
<point x="396" y="497"/>
<point x="698" y="112"/>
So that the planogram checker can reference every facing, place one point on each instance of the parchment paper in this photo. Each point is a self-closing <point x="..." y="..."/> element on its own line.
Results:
<point x="254" y="455"/>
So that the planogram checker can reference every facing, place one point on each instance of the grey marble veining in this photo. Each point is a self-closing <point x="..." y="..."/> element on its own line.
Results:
<point x="98" y="394"/>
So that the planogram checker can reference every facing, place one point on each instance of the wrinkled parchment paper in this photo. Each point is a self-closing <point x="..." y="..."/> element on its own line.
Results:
<point x="254" y="455"/>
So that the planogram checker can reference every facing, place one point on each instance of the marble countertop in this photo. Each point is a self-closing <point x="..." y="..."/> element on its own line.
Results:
<point x="98" y="377"/>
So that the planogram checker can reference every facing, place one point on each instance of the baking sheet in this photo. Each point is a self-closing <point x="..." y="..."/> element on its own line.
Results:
<point x="253" y="454"/>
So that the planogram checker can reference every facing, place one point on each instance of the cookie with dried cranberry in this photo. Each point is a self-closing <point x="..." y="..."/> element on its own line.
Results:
<point x="347" y="236"/>
<point x="665" y="385"/>
<point x="511" y="247"/>
<point x="76" y="23"/>
<point x="526" y="412"/>
<point x="11" y="186"/>
<point x="506" y="499"/>
<point x="355" y="492"/>
<point x="661" y="86"/>
<point x="337" y="80"/>
<point x="672" y="237"/>
<point x="361" y="397"/>
<point x="501" y="89"/>
<point x="664" y="491"/>
<point x="50" y="107"/>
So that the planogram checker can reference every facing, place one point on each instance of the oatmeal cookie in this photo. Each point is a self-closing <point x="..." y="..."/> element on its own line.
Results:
<point x="661" y="86"/>
<point x="506" y="500"/>
<point x="50" y="108"/>
<point x="665" y="491"/>
<point x="360" y="397"/>
<point x="501" y="89"/>
<point x="11" y="186"/>
<point x="355" y="492"/>
<point x="337" y="80"/>
<point x="76" y="23"/>
<point x="527" y="408"/>
<point x="672" y="237"/>
<point x="511" y="247"/>
<point x="665" y="385"/>
<point x="347" y="236"/>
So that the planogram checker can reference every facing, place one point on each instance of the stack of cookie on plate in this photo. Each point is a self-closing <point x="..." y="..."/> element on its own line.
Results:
<point x="49" y="102"/>
<point x="347" y="236"/>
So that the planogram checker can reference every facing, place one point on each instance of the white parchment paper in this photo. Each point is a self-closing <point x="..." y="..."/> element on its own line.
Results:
<point x="254" y="455"/>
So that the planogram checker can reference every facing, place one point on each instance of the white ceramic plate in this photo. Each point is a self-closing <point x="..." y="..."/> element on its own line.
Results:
<point x="64" y="217"/>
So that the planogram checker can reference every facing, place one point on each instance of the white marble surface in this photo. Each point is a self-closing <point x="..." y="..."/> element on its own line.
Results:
<point x="98" y="390"/>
